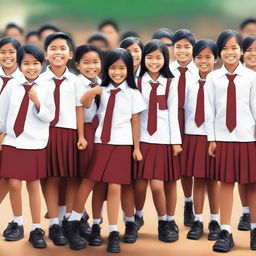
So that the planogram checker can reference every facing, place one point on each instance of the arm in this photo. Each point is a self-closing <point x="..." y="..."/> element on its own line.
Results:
<point x="4" y="107"/>
<point x="2" y="135"/>
<point x="88" y="97"/>
<point x="136" y="137"/>
<point x="82" y="143"/>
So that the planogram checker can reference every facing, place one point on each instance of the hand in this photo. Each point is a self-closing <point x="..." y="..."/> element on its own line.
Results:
<point x="1" y="140"/>
<point x="137" y="156"/>
<point x="33" y="96"/>
<point x="98" y="89"/>
<point x="82" y="143"/>
<point x="212" y="148"/>
<point x="176" y="149"/>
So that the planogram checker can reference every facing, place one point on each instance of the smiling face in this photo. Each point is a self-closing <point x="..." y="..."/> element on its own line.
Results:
<point x="30" y="67"/>
<point x="250" y="56"/>
<point x="8" y="56"/>
<point x="136" y="53"/>
<point x="90" y="65"/>
<point x="183" y="52"/>
<point x="154" y="61"/>
<point x="117" y="72"/>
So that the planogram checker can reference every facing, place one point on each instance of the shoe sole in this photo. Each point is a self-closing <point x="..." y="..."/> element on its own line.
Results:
<point x="220" y="249"/>
<point x="57" y="244"/>
<point x="39" y="247"/>
<point x="129" y="241"/>
<point x="13" y="239"/>
<point x="114" y="251"/>
<point x="169" y="240"/>
<point x="96" y="243"/>
<point x="244" y="228"/>
<point x="77" y="248"/>
<point x="193" y="237"/>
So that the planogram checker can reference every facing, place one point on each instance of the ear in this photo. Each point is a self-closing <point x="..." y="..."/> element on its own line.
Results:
<point x="71" y="55"/>
<point x="45" y="56"/>
<point x="77" y="65"/>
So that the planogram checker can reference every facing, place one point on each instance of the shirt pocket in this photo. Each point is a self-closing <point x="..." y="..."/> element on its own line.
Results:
<point x="162" y="102"/>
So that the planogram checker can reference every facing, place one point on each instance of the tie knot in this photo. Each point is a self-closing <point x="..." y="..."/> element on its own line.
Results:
<point x="27" y="87"/>
<point x="182" y="70"/>
<point x="115" y="91"/>
<point x="58" y="81"/>
<point x="6" y="78"/>
<point x="201" y="83"/>
<point x="92" y="85"/>
<point x="231" y="77"/>
<point x="154" y="85"/>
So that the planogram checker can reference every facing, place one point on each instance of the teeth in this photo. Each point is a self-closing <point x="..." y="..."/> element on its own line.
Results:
<point x="7" y="61"/>
<point x="155" y="66"/>
<point x="58" y="58"/>
<point x="117" y="77"/>
<point x="90" y="72"/>
<point x="253" y="59"/>
<point x="230" y="57"/>
<point x="203" y="66"/>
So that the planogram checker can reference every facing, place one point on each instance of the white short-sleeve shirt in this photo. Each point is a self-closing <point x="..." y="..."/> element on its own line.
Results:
<point x="16" y="74"/>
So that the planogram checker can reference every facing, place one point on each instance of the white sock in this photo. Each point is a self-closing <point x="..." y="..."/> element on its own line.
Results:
<point x="35" y="226"/>
<point x="139" y="213"/>
<point x="188" y="199"/>
<point x="199" y="217"/>
<point x="112" y="228"/>
<point x="226" y="227"/>
<point x="169" y="218"/>
<point x="130" y="219"/>
<point x="75" y="216"/>
<point x="54" y="221"/>
<point x="214" y="217"/>
<point x="246" y="209"/>
<point x="18" y="220"/>
<point x="253" y="226"/>
<point x="162" y="217"/>
<point x="67" y="215"/>
<point x="61" y="212"/>
<point x="96" y="221"/>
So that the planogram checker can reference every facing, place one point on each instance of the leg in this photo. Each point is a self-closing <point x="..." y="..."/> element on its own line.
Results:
<point x="187" y="183"/>
<point x="140" y="193"/>
<point x="98" y="197"/>
<point x="251" y="192"/>
<point x="170" y="189"/>
<point x="72" y="184"/>
<point x="127" y="200"/>
<point x="198" y="195"/>
<point x="4" y="188"/>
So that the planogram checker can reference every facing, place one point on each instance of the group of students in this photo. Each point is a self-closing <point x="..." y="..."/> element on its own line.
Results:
<point x="139" y="120"/>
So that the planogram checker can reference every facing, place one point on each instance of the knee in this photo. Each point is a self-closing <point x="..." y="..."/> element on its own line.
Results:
<point x="252" y="187"/>
<point x="14" y="184"/>
<point x="114" y="188"/>
<point x="156" y="187"/>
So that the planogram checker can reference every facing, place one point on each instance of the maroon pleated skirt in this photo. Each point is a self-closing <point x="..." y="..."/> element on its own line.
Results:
<point x="157" y="163"/>
<point x="23" y="164"/>
<point x="111" y="164"/>
<point x="195" y="160"/>
<point x="62" y="153"/>
<point x="235" y="162"/>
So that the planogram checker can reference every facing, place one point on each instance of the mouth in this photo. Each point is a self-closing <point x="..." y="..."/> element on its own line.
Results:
<point x="252" y="59"/>
<point x="32" y="73"/>
<point x="203" y="66"/>
<point x="7" y="61"/>
<point x="154" y="66"/>
<point x="117" y="77"/>
<point x="58" y="58"/>
<point x="91" y="72"/>
<point x="231" y="58"/>
<point x="182" y="55"/>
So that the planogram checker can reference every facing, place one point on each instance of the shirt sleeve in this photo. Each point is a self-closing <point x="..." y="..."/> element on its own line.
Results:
<point x="138" y="104"/>
<point x="4" y="106"/>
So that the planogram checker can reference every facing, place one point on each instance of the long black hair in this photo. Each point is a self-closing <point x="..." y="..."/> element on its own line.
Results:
<point x="112" y="57"/>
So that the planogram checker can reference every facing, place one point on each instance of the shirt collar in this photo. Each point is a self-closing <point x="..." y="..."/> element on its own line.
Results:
<point x="238" y="71"/>
<point x="137" y="74"/>
<point x="22" y="80"/>
<point x="147" y="79"/>
<point x="16" y="74"/>
<point x="87" y="81"/>
<point x="192" y="68"/>
<point x="50" y="75"/>
<point x="123" y="86"/>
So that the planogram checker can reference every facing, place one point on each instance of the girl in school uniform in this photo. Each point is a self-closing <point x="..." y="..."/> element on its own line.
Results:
<point x="195" y="159"/>
<point x="230" y="114"/>
<point x="118" y="130"/>
<point x="159" y="139"/>
<point x="249" y="57"/>
<point x="27" y="107"/>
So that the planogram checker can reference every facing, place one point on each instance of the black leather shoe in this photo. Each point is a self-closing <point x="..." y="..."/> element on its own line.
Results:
<point x="188" y="214"/>
<point x="196" y="230"/>
<point x="85" y="229"/>
<point x="139" y="221"/>
<point x="13" y="232"/>
<point x="36" y="238"/>
<point x="253" y="239"/>
<point x="174" y="230"/>
<point x="245" y="222"/>
<point x="131" y="232"/>
<point x="95" y="237"/>
<point x="164" y="233"/>
<point x="71" y="230"/>
<point x="214" y="230"/>
<point x="224" y="242"/>
<point x="56" y="235"/>
<point x="113" y="242"/>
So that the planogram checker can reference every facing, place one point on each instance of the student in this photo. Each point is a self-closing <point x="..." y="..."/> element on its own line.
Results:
<point x="194" y="157"/>
<point x="45" y="30"/>
<point x="185" y="70"/>
<point x="248" y="27"/>
<point x="32" y="37"/>
<point x="129" y="34"/>
<point x="118" y="130"/>
<point x="159" y="139"/>
<point x="100" y="40"/>
<point x="230" y="114"/>
<point x="27" y="107"/>
<point x="15" y="31"/>
<point x="66" y="131"/>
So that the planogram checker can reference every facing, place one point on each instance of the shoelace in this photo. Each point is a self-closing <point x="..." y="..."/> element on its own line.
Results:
<point x="213" y="225"/>
<point x="39" y="233"/>
<point x="224" y="235"/>
<point x="245" y="217"/>
<point x="130" y="227"/>
<point x="173" y="225"/>
<point x="114" y="236"/>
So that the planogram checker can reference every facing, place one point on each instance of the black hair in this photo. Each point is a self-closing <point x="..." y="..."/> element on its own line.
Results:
<point x="248" y="42"/>
<point x="130" y="41"/>
<point x="57" y="35"/>
<point x="247" y="21"/>
<point x="85" y="48"/>
<point x="184" y="34"/>
<point x="47" y="27"/>
<point x="163" y="32"/>
<point x="128" y="34"/>
<point x="14" y="25"/>
<point x="112" y="57"/>
<point x="31" y="33"/>
<point x="225" y="36"/>
<point x="6" y="40"/>
<point x="30" y="49"/>
<point x="205" y="43"/>
<point x="108" y="22"/>
<point x="98" y="36"/>
<point x="152" y="46"/>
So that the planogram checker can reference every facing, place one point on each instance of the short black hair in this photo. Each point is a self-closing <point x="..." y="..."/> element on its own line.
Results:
<point x="205" y="43"/>
<point x="163" y="32"/>
<point x="98" y="36"/>
<point x="110" y="23"/>
<point x="31" y="33"/>
<point x="184" y="34"/>
<point x="30" y="49"/>
<point x="112" y="57"/>
<point x="6" y="40"/>
<point x="152" y="46"/>
<point x="47" y="27"/>
<point x="248" y="42"/>
<point x="225" y="36"/>
<point x="85" y="48"/>
<point x="247" y="21"/>
<point x="14" y="25"/>
<point x="57" y="35"/>
<point x="130" y="41"/>
<point x="128" y="34"/>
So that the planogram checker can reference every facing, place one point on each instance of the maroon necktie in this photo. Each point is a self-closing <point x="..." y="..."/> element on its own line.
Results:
<point x="5" y="81"/>
<point x="152" y="109"/>
<point x="57" y="100"/>
<point x="182" y="86"/>
<point x="106" y="129"/>
<point x="97" y="98"/>
<point x="231" y="104"/>
<point x="21" y="117"/>
<point x="199" y="116"/>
